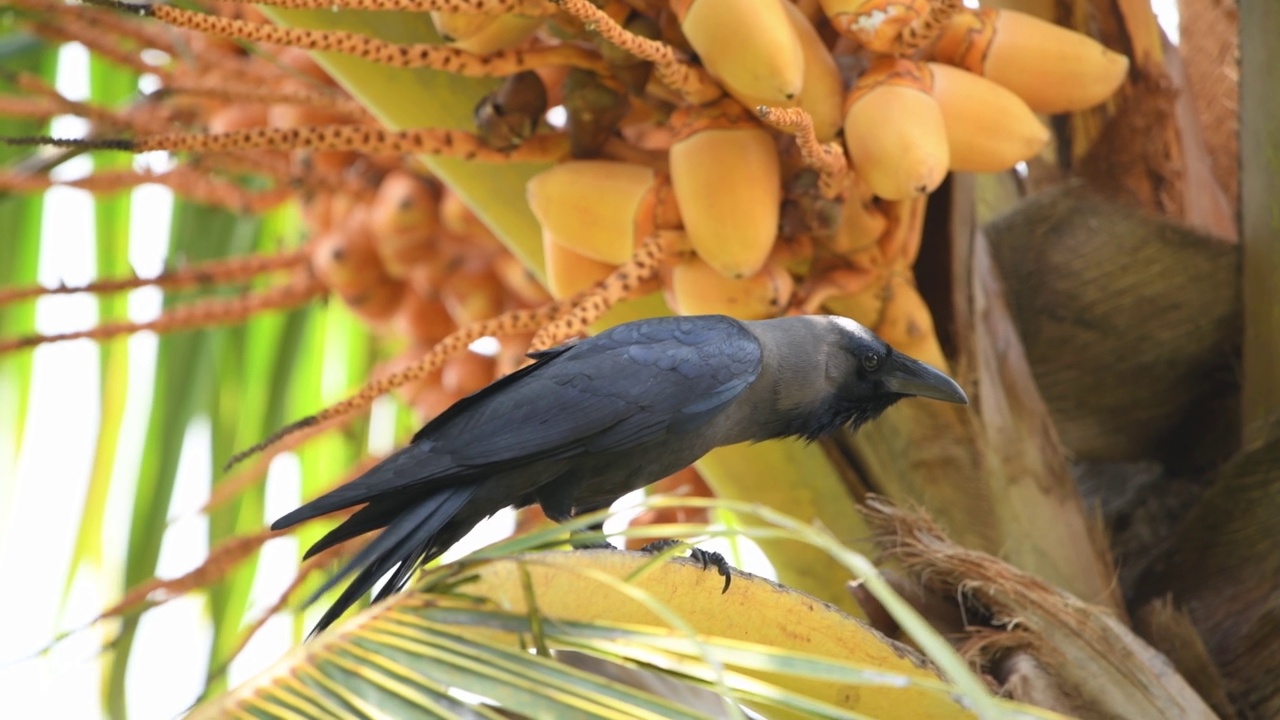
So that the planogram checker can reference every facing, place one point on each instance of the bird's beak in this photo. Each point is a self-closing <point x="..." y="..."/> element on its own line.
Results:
<point x="908" y="376"/>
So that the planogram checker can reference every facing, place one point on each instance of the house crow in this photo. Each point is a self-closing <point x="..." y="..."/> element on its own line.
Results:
<point x="590" y="421"/>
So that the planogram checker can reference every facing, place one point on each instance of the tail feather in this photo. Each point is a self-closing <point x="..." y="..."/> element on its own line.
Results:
<point x="361" y="584"/>
<point x="398" y="579"/>
<point x="377" y="551"/>
<point x="377" y="514"/>
<point x="408" y="468"/>
<point x="406" y="542"/>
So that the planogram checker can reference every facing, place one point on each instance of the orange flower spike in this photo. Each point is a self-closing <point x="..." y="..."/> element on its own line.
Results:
<point x="629" y="280"/>
<point x="346" y="108"/>
<point x="214" y="272"/>
<point x="690" y="81"/>
<point x="231" y="486"/>
<point x="68" y="29"/>
<point x="547" y="147"/>
<point x="197" y="186"/>
<point x="515" y="321"/>
<point x="221" y="560"/>
<point x="31" y="108"/>
<point x="33" y="84"/>
<point x="535" y="8"/>
<point x="110" y="26"/>
<point x="407" y="392"/>
<point x="421" y="55"/>
<point x="198" y="314"/>
<point x="827" y="158"/>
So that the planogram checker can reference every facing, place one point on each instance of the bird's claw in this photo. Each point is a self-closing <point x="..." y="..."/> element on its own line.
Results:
<point x="708" y="558"/>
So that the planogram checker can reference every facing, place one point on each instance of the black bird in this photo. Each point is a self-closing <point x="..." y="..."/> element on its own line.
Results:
<point x="592" y="420"/>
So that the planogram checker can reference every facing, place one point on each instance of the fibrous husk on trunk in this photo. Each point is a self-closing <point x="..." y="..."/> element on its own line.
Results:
<point x="1210" y="46"/>
<point x="1224" y="570"/>
<point x="1147" y="144"/>
<point x="1171" y="631"/>
<point x="1141" y="504"/>
<point x="994" y="473"/>
<point x="1042" y="644"/>
<point x="1130" y="321"/>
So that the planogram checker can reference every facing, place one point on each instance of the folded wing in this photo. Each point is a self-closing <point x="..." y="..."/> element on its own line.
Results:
<point x="623" y="388"/>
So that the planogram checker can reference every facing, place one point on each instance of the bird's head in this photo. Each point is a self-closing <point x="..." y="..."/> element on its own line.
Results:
<point x="869" y="376"/>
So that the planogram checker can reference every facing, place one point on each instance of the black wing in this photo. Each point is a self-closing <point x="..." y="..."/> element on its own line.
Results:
<point x="628" y="386"/>
<point x="623" y="388"/>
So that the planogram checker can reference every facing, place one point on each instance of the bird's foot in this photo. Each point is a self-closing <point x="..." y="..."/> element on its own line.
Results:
<point x="589" y="539"/>
<point x="708" y="558"/>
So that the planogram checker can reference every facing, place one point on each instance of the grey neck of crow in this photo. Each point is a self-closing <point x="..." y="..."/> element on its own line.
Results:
<point x="812" y="383"/>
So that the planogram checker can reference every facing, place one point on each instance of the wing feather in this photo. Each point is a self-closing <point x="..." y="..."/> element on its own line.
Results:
<point x="618" y="390"/>
<point x="613" y="392"/>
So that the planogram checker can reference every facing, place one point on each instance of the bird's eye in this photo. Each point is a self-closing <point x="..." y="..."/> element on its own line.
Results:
<point x="870" y="362"/>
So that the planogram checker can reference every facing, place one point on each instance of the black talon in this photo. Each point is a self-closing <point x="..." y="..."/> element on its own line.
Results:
<point x="708" y="558"/>
<point x="714" y="559"/>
